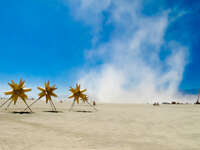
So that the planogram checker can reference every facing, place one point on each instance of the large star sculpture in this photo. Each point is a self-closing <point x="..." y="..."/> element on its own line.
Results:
<point x="48" y="92"/>
<point x="18" y="91"/>
<point x="77" y="94"/>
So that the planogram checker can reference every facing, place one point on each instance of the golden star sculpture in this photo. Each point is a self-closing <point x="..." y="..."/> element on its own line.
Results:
<point x="48" y="92"/>
<point x="84" y="98"/>
<point x="78" y="94"/>
<point x="18" y="91"/>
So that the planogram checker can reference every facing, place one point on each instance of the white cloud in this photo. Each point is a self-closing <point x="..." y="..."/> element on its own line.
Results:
<point x="132" y="70"/>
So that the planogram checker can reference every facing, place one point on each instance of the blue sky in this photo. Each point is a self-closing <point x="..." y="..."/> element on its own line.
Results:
<point x="43" y="39"/>
<point x="39" y="38"/>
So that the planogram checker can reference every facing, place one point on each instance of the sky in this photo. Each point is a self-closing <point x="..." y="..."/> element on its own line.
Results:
<point x="113" y="47"/>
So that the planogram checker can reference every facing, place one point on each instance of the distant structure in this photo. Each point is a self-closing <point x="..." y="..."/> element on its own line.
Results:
<point x="173" y="102"/>
<point x="156" y="104"/>
<point x="197" y="102"/>
<point x="165" y="103"/>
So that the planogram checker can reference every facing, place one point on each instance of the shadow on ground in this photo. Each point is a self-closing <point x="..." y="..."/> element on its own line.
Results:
<point x="84" y="111"/>
<point x="53" y="111"/>
<point x="21" y="112"/>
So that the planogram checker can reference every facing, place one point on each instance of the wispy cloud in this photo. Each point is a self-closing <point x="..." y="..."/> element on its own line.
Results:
<point x="132" y="69"/>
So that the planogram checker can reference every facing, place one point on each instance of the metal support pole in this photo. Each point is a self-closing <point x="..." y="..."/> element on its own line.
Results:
<point x="53" y="105"/>
<point x="27" y="106"/>
<point x="31" y="104"/>
<point x="4" y="103"/>
<point x="8" y="105"/>
<point x="91" y="105"/>
<point x="72" y="105"/>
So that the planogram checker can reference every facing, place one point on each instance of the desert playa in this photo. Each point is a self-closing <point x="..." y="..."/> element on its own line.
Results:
<point x="112" y="127"/>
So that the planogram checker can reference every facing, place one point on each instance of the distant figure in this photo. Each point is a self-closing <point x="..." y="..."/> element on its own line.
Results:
<point x="197" y="102"/>
<point x="94" y="103"/>
<point x="173" y="102"/>
<point x="156" y="104"/>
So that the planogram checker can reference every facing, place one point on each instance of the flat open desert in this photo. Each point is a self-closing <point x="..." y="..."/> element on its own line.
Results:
<point x="112" y="127"/>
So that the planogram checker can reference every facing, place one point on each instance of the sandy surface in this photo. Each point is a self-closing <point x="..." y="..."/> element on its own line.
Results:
<point x="112" y="127"/>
